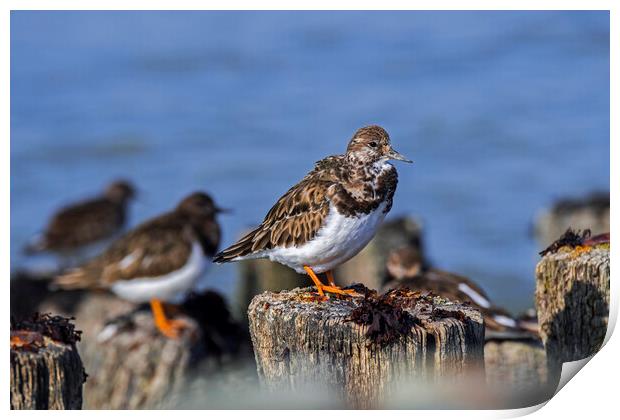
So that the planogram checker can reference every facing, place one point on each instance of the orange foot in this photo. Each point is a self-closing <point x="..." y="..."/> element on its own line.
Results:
<point x="338" y="291"/>
<point x="332" y="288"/>
<point x="171" y="328"/>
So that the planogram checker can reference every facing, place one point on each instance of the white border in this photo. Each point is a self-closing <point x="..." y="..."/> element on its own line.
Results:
<point x="593" y="395"/>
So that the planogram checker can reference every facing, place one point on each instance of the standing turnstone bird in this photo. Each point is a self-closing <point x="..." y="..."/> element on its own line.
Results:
<point x="331" y="214"/>
<point x="160" y="260"/>
<point x="86" y="223"/>
<point x="405" y="267"/>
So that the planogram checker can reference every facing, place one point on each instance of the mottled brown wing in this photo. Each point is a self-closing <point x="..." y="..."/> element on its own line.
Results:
<point x="83" y="223"/>
<point x="295" y="218"/>
<point x="151" y="250"/>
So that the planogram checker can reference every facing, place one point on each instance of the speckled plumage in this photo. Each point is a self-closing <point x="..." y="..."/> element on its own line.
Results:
<point x="332" y="212"/>
<point x="161" y="258"/>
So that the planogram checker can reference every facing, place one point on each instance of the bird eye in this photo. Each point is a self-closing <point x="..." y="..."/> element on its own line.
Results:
<point x="373" y="144"/>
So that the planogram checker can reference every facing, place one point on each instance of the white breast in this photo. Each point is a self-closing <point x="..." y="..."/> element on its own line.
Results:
<point x="171" y="287"/>
<point x="337" y="241"/>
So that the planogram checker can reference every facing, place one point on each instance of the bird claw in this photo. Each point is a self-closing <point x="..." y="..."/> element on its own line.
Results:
<point x="338" y="291"/>
<point x="174" y="328"/>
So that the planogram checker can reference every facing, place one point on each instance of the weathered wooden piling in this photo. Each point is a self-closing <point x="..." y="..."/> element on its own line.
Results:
<point x="362" y="348"/>
<point x="517" y="367"/>
<point x="46" y="370"/>
<point x="515" y="362"/>
<point x="137" y="367"/>
<point x="572" y="296"/>
<point x="130" y="363"/>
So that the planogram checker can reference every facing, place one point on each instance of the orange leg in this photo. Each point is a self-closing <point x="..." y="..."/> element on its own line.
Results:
<point x="171" y="328"/>
<point x="330" y="278"/>
<point x="315" y="279"/>
<point x="330" y="289"/>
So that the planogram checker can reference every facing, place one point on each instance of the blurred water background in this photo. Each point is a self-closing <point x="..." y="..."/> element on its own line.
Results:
<point x="502" y="112"/>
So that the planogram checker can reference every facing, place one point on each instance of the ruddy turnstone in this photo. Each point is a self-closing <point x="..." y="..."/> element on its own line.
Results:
<point x="86" y="223"/>
<point x="160" y="260"/>
<point x="331" y="214"/>
<point x="406" y="268"/>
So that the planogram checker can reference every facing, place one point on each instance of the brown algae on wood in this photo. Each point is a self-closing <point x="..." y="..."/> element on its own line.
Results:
<point x="362" y="348"/>
<point x="131" y="365"/>
<point x="46" y="370"/>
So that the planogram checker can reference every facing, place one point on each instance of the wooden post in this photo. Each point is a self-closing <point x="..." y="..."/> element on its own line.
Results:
<point x="136" y="367"/>
<point x="518" y="372"/>
<point x="46" y="370"/>
<point x="130" y="363"/>
<point x="368" y="267"/>
<point x="572" y="296"/>
<point x="361" y="348"/>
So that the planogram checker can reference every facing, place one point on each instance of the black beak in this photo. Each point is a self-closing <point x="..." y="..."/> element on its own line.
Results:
<point x="393" y="154"/>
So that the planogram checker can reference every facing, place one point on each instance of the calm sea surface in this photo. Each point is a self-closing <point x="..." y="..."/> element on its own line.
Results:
<point x="501" y="112"/>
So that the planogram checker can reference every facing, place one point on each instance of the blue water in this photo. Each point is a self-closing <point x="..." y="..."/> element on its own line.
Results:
<point x="502" y="112"/>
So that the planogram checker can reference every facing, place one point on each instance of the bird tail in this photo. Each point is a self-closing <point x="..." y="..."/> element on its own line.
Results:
<point x="242" y="248"/>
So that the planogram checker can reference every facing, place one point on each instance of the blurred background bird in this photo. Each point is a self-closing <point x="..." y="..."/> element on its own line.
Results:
<point x="79" y="229"/>
<point x="406" y="268"/>
<point x="160" y="261"/>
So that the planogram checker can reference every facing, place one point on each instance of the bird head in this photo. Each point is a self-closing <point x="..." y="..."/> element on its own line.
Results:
<point x="120" y="191"/>
<point x="403" y="263"/>
<point x="372" y="144"/>
<point x="199" y="205"/>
